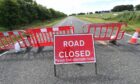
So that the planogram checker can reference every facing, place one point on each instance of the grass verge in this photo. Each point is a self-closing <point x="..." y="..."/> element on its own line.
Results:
<point x="112" y="17"/>
<point x="42" y="24"/>
<point x="93" y="19"/>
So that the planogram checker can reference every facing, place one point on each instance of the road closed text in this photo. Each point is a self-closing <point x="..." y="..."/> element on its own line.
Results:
<point x="68" y="52"/>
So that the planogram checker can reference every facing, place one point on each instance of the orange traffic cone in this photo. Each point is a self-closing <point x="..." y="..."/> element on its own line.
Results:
<point x="134" y="38"/>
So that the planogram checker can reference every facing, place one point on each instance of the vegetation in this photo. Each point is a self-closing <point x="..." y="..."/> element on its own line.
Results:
<point x="16" y="13"/>
<point x="102" y="11"/>
<point x="81" y="13"/>
<point x="74" y="14"/>
<point x="97" y="18"/>
<point x="137" y="7"/>
<point x="120" y="13"/>
<point x="35" y="24"/>
<point x="120" y="8"/>
<point x="131" y="18"/>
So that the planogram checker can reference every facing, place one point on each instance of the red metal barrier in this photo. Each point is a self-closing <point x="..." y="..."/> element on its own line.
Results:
<point x="44" y="36"/>
<point x="105" y="31"/>
<point x="8" y="39"/>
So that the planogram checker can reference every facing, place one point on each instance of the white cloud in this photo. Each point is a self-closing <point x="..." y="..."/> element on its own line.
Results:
<point x="76" y="6"/>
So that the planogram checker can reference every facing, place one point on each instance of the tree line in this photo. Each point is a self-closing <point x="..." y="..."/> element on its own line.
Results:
<point x="81" y="13"/>
<point x="21" y="12"/>
<point x="120" y="8"/>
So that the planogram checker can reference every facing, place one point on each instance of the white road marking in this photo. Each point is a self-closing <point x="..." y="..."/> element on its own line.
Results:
<point x="102" y="42"/>
<point x="4" y="53"/>
<point x="130" y="35"/>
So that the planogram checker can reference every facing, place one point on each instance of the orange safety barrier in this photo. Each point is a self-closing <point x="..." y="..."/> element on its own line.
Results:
<point x="105" y="31"/>
<point x="8" y="39"/>
<point x="40" y="37"/>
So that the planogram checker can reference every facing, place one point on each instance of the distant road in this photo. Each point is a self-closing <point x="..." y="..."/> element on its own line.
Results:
<point x="116" y="64"/>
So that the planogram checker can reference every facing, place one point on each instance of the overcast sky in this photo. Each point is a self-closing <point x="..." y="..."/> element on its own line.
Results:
<point x="76" y="6"/>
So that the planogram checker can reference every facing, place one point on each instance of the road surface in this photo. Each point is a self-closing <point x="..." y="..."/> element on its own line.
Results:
<point x="116" y="64"/>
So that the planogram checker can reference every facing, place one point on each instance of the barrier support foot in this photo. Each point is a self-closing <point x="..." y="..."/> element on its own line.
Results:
<point x="113" y="42"/>
<point x="28" y="49"/>
<point x="40" y="49"/>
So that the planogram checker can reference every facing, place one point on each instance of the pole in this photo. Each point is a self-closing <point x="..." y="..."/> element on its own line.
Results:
<point x="96" y="68"/>
<point x="54" y="70"/>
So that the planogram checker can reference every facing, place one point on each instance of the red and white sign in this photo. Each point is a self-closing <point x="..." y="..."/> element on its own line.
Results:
<point x="76" y="48"/>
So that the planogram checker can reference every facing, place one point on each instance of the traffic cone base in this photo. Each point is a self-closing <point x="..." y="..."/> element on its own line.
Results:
<point x="133" y="41"/>
<point x="134" y="38"/>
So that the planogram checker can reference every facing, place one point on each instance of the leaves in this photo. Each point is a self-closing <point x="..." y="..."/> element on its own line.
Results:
<point x="21" y="12"/>
<point x="137" y="7"/>
<point x="120" y="8"/>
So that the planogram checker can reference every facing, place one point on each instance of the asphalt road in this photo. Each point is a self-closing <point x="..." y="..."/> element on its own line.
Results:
<point x="116" y="64"/>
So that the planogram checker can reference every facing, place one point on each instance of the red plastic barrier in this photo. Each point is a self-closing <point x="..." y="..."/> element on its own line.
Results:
<point x="44" y="36"/>
<point x="8" y="39"/>
<point x="105" y="31"/>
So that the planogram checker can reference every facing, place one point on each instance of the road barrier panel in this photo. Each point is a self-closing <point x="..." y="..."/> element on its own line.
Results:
<point x="9" y="39"/>
<point x="41" y="37"/>
<point x="104" y="31"/>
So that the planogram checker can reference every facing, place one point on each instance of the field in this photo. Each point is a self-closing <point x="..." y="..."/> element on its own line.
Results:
<point x="131" y="18"/>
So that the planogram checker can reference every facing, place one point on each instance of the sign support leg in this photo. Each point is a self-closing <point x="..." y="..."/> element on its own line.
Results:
<point x="54" y="70"/>
<point x="96" y="68"/>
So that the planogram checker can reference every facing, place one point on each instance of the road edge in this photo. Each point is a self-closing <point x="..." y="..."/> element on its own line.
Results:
<point x="4" y="53"/>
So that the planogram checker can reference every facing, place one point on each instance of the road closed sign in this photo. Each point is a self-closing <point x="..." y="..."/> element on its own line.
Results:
<point x="76" y="48"/>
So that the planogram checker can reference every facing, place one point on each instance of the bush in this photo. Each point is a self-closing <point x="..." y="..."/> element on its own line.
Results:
<point x="137" y="7"/>
<point x="127" y="17"/>
<point x="120" y="8"/>
<point x="20" y="12"/>
<point x="128" y="29"/>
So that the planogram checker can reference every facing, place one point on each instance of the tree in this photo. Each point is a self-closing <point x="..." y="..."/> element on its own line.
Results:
<point x="81" y="13"/>
<point x="90" y="12"/>
<point x="9" y="14"/>
<point x="137" y="7"/>
<point x="120" y="8"/>
<point x="72" y="14"/>
<point x="20" y="12"/>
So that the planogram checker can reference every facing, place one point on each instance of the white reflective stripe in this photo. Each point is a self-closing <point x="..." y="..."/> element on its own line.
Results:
<point x="17" y="47"/>
<point x="6" y="34"/>
<point x="43" y="30"/>
<point x="55" y="29"/>
<point x="135" y="35"/>
<point x="15" y="32"/>
<point x="4" y="53"/>
<point x="113" y="37"/>
<point x="71" y="31"/>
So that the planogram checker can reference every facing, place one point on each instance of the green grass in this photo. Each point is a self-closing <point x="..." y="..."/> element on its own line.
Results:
<point x="36" y="24"/>
<point x="93" y="19"/>
<point x="99" y="18"/>
<point x="131" y="18"/>
<point x="3" y="29"/>
<point x="42" y="24"/>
